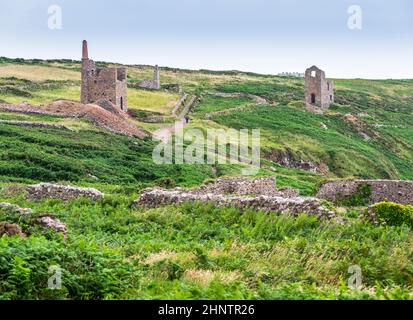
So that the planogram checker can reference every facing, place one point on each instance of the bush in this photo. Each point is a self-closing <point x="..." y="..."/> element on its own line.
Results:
<point x="360" y="197"/>
<point x="393" y="214"/>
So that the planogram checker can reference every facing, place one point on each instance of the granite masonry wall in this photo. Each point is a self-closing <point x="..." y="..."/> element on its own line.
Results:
<point x="243" y="193"/>
<point x="155" y="83"/>
<point x="381" y="190"/>
<point x="57" y="191"/>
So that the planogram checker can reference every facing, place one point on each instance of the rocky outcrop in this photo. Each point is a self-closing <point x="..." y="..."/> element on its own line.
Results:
<point x="51" y="222"/>
<point x="56" y="191"/>
<point x="381" y="190"/>
<point x="295" y="206"/>
<point x="10" y="229"/>
<point x="45" y="221"/>
<point x="15" y="208"/>
<point x="289" y="160"/>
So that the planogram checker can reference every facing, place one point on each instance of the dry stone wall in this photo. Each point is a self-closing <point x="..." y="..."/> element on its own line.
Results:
<point x="55" y="191"/>
<point x="242" y="186"/>
<point x="295" y="206"/>
<point x="381" y="190"/>
<point x="240" y="192"/>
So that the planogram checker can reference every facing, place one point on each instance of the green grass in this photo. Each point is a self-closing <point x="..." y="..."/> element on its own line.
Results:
<point x="200" y="252"/>
<point x="212" y="103"/>
<point x="155" y="101"/>
<point x="33" y="154"/>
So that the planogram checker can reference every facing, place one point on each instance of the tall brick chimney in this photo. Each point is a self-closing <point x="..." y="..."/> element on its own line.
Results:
<point x="85" y="69"/>
<point x="85" y="53"/>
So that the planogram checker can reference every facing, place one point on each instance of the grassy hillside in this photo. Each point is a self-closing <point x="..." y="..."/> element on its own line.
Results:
<point x="377" y="143"/>
<point x="115" y="250"/>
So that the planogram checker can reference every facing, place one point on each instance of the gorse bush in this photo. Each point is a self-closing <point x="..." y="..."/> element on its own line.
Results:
<point x="393" y="214"/>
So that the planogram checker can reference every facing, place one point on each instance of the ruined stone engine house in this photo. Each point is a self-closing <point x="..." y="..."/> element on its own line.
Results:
<point x="103" y="84"/>
<point x="319" y="91"/>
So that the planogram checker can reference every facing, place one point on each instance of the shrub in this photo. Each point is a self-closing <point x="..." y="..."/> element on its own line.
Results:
<point x="166" y="183"/>
<point x="393" y="214"/>
<point x="359" y="198"/>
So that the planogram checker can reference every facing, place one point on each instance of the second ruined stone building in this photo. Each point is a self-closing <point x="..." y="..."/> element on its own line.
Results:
<point x="103" y="84"/>
<point x="155" y="83"/>
<point x="319" y="91"/>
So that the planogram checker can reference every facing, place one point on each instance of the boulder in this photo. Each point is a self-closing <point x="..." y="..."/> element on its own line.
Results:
<point x="51" y="222"/>
<point x="10" y="229"/>
<point x="15" y="208"/>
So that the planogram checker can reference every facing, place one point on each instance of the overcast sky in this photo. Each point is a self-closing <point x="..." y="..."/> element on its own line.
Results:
<point x="265" y="36"/>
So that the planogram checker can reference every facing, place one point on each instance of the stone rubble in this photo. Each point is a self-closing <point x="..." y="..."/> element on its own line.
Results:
<point x="56" y="191"/>
<point x="15" y="208"/>
<point x="10" y="229"/>
<point x="46" y="220"/>
<point x="51" y="222"/>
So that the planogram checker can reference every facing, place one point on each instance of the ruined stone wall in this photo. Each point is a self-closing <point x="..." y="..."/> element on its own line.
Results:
<point x="317" y="85"/>
<point x="155" y="83"/>
<point x="295" y="206"/>
<point x="88" y="68"/>
<point x="382" y="190"/>
<point x="244" y="186"/>
<point x="242" y="193"/>
<point x="56" y="191"/>
<point x="102" y="85"/>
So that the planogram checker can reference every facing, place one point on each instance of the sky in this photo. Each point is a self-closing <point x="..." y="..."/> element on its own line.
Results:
<point x="263" y="36"/>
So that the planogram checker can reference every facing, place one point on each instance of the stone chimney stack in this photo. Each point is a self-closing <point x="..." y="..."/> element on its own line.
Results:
<point x="84" y="90"/>
<point x="157" y="77"/>
<point x="85" y="53"/>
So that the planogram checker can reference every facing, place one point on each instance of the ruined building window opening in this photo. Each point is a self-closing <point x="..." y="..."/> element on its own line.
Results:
<point x="121" y="103"/>
<point x="331" y="98"/>
<point x="313" y="98"/>
<point x="313" y="74"/>
<point x="328" y="86"/>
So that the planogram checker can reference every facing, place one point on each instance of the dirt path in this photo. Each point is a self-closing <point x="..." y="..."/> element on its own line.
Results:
<point x="165" y="133"/>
